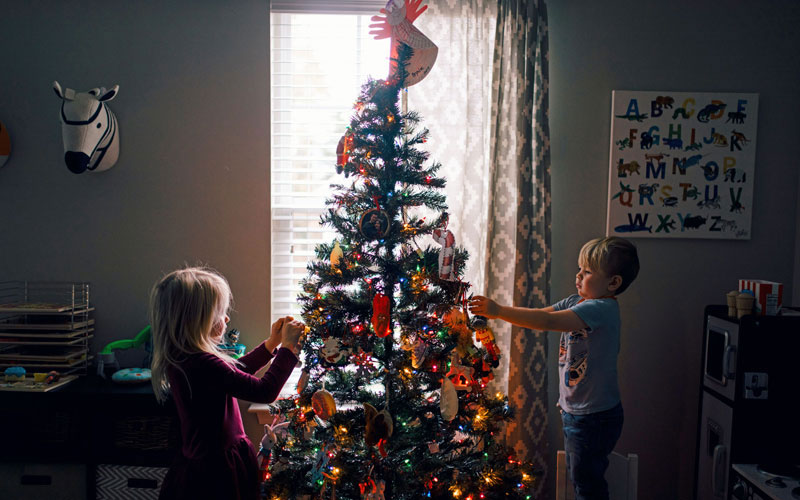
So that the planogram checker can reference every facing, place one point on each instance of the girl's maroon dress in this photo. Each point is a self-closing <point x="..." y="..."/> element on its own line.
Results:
<point x="217" y="460"/>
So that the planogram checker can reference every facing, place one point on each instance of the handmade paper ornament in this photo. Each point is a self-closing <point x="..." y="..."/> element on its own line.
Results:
<point x="336" y="255"/>
<point x="5" y="144"/>
<point x="272" y="431"/>
<point x="381" y="315"/>
<point x="448" y="400"/>
<point x="332" y="350"/>
<point x="323" y="404"/>
<point x="398" y="25"/>
<point x="419" y="353"/>
<point x="378" y="427"/>
<point x="460" y="375"/>
<point x="88" y="129"/>
<point x="302" y="382"/>
<point x="372" y="490"/>
<point x="446" y="254"/>
<point x="343" y="149"/>
<point x="486" y="337"/>
<point x="374" y="224"/>
<point x="321" y="462"/>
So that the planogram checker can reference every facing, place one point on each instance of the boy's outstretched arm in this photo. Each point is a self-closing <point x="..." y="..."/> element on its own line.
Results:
<point x="536" y="319"/>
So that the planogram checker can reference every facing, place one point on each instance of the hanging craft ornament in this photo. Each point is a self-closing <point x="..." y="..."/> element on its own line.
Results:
<point x="397" y="25"/>
<point x="448" y="400"/>
<point x="374" y="224"/>
<point x="373" y="490"/>
<point x="381" y="315"/>
<point x="271" y="433"/>
<point x="378" y="428"/>
<point x="446" y="255"/>
<point x="303" y="381"/>
<point x="323" y="404"/>
<point x="332" y="350"/>
<point x="336" y="255"/>
<point x="486" y="337"/>
<point x="343" y="151"/>
<point x="419" y="353"/>
<point x="5" y="144"/>
<point x="460" y="375"/>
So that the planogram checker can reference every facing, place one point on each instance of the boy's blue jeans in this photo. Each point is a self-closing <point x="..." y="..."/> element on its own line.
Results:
<point x="588" y="440"/>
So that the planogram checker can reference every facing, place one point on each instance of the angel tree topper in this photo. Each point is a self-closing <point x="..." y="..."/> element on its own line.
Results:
<point x="88" y="129"/>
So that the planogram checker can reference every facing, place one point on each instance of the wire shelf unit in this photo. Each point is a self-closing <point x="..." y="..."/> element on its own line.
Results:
<point x="46" y="326"/>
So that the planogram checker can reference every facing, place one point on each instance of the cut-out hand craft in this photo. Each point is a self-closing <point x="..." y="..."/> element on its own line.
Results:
<point x="397" y="25"/>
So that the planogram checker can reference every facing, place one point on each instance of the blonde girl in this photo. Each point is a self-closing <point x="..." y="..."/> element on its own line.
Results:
<point x="188" y="314"/>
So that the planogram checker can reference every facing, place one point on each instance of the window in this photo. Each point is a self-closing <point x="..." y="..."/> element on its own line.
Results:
<point x="318" y="63"/>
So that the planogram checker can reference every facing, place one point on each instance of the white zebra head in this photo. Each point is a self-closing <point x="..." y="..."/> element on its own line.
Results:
<point x="88" y="128"/>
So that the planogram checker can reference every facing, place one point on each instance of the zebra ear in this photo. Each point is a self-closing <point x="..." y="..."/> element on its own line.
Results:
<point x="110" y="94"/>
<point x="66" y="94"/>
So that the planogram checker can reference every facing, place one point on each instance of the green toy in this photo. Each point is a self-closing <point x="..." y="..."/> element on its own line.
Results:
<point x="107" y="355"/>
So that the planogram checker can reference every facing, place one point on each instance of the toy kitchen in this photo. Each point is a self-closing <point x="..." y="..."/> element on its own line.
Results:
<point x="748" y="436"/>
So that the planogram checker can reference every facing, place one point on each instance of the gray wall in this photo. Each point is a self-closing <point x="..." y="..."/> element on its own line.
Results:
<point x="596" y="47"/>
<point x="192" y="185"/>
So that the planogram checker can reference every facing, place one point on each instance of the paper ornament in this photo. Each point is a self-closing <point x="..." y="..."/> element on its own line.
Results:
<point x="88" y="129"/>
<point x="419" y="353"/>
<point x="5" y="144"/>
<point x="460" y="375"/>
<point x="397" y="25"/>
<point x="332" y="350"/>
<point x="486" y="337"/>
<point x="323" y="404"/>
<point x="448" y="400"/>
<point x="336" y="254"/>
<point x="378" y="427"/>
<point x="446" y="254"/>
<point x="381" y="315"/>
<point x="373" y="490"/>
<point x="374" y="224"/>
<point x="302" y="382"/>
<point x="343" y="149"/>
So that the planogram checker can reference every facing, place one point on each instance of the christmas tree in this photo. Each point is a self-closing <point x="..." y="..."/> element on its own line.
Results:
<point x="393" y="399"/>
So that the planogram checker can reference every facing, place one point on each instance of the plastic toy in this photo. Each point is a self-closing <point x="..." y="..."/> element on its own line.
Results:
<point x="107" y="355"/>
<point x="231" y="344"/>
<point x="14" y="374"/>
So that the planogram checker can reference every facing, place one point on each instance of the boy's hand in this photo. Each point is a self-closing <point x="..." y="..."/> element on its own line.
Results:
<point x="276" y="334"/>
<point x="484" y="306"/>
<point x="292" y="331"/>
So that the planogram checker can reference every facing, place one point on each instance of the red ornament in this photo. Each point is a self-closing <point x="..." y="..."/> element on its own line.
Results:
<point x="381" y="315"/>
<point x="343" y="150"/>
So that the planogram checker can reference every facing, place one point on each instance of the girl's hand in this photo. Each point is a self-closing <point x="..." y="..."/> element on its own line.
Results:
<point x="484" y="306"/>
<point x="276" y="334"/>
<point x="292" y="331"/>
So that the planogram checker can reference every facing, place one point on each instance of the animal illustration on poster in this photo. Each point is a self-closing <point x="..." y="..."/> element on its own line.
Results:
<point x="681" y="164"/>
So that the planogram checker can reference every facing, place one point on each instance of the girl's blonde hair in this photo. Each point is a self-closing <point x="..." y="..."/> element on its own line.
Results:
<point x="184" y="306"/>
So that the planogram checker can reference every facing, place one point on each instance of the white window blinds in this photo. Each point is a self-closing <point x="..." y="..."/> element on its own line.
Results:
<point x="318" y="63"/>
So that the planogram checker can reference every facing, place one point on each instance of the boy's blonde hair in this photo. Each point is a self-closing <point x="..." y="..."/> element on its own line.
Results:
<point x="612" y="255"/>
<point x="184" y="305"/>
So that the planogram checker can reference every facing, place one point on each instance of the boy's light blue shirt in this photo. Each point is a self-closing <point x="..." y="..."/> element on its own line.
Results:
<point x="587" y="359"/>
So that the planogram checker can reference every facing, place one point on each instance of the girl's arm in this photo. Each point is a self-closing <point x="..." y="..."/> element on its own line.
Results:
<point x="243" y="385"/>
<point x="545" y="318"/>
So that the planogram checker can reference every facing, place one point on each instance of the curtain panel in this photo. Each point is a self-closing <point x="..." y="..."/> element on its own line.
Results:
<point x="486" y="105"/>
<point x="518" y="246"/>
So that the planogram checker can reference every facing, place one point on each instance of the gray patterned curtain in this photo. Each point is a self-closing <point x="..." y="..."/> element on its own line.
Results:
<point x="485" y="103"/>
<point x="518" y="266"/>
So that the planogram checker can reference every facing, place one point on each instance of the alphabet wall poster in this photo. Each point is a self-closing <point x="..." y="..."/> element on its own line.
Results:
<point x="681" y="164"/>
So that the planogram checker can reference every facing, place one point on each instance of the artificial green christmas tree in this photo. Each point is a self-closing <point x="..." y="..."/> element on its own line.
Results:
<point x="392" y="402"/>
